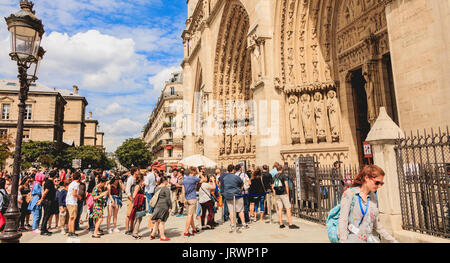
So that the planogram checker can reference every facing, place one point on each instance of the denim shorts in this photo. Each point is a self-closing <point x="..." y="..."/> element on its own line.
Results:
<point x="259" y="202"/>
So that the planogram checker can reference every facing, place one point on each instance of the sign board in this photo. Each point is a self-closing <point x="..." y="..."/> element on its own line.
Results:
<point x="36" y="164"/>
<point x="367" y="150"/>
<point x="307" y="178"/>
<point x="76" y="163"/>
<point x="297" y="176"/>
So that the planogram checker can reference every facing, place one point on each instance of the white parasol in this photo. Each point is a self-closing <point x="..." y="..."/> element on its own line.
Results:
<point x="198" y="160"/>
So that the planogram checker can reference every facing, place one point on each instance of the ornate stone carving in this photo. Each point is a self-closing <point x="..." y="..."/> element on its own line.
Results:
<point x="307" y="117"/>
<point x="334" y="112"/>
<point x="369" y="87"/>
<point x="294" y="118"/>
<point x="319" y="117"/>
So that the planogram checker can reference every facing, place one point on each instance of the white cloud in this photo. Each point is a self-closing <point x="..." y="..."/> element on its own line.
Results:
<point x="114" y="108"/>
<point x="159" y="80"/>
<point x="123" y="127"/>
<point x="93" y="60"/>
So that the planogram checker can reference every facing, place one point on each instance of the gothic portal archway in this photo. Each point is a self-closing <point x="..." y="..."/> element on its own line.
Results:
<point x="232" y="80"/>
<point x="321" y="43"/>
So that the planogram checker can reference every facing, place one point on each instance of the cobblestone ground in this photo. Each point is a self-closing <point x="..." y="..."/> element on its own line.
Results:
<point x="259" y="232"/>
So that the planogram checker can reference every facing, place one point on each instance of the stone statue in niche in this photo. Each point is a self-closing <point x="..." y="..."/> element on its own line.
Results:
<point x="241" y="136"/>
<point x="302" y="54"/>
<point x="306" y="117"/>
<point x="291" y="78"/>
<point x="369" y="87"/>
<point x="234" y="140"/>
<point x="228" y="138"/>
<point x="303" y="73"/>
<point x="319" y="116"/>
<point x="247" y="138"/>
<point x="327" y="72"/>
<point x="315" y="72"/>
<point x="294" y="119"/>
<point x="200" y="144"/>
<point x="221" y="141"/>
<point x="333" y="114"/>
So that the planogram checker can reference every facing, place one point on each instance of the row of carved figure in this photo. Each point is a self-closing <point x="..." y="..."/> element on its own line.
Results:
<point x="235" y="144"/>
<point x="312" y="119"/>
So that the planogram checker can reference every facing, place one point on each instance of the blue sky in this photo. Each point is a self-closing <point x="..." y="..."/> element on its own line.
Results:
<point x="119" y="53"/>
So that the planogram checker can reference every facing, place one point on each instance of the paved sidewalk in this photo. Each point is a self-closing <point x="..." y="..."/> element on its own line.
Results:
<point x="259" y="232"/>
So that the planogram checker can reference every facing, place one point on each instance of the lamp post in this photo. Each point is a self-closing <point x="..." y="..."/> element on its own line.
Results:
<point x="26" y="34"/>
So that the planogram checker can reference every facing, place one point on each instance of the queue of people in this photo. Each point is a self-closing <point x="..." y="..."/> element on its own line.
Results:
<point x="61" y="196"/>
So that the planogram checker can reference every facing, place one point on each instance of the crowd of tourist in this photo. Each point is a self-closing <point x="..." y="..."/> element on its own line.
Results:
<point x="56" y="200"/>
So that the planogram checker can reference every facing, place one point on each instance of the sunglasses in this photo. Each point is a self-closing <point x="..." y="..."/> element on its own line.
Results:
<point x="377" y="183"/>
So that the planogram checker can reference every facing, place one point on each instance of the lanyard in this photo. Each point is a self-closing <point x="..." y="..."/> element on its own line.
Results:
<point x="360" y="207"/>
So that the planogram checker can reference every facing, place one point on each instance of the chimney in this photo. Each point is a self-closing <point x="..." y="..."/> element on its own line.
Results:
<point x="90" y="115"/>
<point x="75" y="90"/>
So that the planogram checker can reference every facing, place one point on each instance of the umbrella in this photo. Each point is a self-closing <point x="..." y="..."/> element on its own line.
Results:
<point x="198" y="160"/>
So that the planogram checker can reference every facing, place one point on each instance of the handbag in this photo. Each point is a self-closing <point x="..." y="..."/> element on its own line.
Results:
<point x="155" y="198"/>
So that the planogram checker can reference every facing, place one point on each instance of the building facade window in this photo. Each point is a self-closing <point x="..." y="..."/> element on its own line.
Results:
<point x="169" y="153"/>
<point x="6" y="110"/>
<point x="26" y="133"/>
<point x="3" y="132"/>
<point x="28" y="108"/>
<point x="172" y="90"/>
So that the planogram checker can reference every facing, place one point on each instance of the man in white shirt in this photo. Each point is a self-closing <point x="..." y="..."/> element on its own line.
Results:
<point x="150" y="185"/>
<point x="246" y="180"/>
<point x="72" y="202"/>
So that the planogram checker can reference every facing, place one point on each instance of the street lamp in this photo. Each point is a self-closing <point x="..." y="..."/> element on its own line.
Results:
<point x="26" y="34"/>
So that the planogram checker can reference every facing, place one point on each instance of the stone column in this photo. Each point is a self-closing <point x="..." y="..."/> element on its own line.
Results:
<point x="382" y="136"/>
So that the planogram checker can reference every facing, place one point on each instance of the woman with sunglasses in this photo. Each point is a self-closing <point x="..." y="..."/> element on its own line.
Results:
<point x="359" y="216"/>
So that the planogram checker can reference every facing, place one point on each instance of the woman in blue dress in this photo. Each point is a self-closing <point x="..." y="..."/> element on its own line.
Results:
<point x="35" y="206"/>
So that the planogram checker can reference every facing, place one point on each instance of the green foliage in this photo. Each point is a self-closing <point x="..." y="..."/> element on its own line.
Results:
<point x="40" y="152"/>
<point x="50" y="155"/>
<point x="134" y="152"/>
<point x="5" y="150"/>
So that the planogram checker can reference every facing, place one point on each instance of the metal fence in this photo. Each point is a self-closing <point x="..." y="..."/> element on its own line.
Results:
<point x="423" y="164"/>
<point x="314" y="194"/>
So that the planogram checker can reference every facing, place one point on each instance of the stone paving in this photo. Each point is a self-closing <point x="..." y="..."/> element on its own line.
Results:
<point x="259" y="232"/>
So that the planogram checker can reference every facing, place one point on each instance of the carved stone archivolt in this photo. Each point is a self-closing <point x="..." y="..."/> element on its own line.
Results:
<point x="233" y="75"/>
<point x="319" y="40"/>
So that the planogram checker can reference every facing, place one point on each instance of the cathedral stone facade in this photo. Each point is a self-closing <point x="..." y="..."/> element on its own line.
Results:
<point x="272" y="80"/>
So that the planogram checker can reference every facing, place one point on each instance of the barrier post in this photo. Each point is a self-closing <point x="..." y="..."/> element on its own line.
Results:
<point x="270" y="207"/>
<point x="223" y="215"/>
<point x="234" y="214"/>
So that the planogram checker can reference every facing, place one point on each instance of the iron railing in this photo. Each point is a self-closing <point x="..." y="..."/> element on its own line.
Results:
<point x="320" y="190"/>
<point x="314" y="194"/>
<point x="423" y="164"/>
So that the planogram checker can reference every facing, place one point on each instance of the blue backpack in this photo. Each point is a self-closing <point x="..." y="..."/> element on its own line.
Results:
<point x="333" y="220"/>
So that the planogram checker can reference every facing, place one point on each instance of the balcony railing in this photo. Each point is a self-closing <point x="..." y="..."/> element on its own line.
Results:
<point x="167" y="142"/>
<point x="170" y="110"/>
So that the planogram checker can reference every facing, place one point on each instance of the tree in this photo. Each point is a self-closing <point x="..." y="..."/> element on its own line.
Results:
<point x="43" y="152"/>
<point x="5" y="150"/>
<point x="50" y="155"/>
<point x="133" y="152"/>
<point x="90" y="156"/>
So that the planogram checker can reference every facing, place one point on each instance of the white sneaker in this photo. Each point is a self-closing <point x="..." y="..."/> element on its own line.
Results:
<point x="116" y="230"/>
<point x="110" y="231"/>
<point x="63" y="231"/>
<point x="36" y="231"/>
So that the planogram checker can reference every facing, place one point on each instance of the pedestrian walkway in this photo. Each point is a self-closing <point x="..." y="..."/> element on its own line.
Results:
<point x="259" y="232"/>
